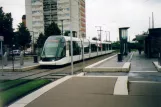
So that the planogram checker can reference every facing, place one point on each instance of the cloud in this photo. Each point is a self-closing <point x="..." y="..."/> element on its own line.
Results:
<point x="119" y="13"/>
<point x="110" y="14"/>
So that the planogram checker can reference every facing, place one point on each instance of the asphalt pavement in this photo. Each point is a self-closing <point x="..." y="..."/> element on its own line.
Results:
<point x="144" y="89"/>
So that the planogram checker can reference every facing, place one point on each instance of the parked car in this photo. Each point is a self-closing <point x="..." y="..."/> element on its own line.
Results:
<point x="27" y="52"/>
<point x="15" y="52"/>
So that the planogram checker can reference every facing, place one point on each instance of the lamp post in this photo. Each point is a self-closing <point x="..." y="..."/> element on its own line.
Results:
<point x="1" y="40"/>
<point x="33" y="50"/>
<point x="109" y="38"/>
<point x="106" y="35"/>
<point x="62" y="26"/>
<point x="109" y="35"/>
<point x="13" y="58"/>
<point x="100" y="36"/>
<point x="71" y="39"/>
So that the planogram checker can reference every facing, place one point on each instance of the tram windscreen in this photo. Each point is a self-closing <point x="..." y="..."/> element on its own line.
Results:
<point x="50" y="48"/>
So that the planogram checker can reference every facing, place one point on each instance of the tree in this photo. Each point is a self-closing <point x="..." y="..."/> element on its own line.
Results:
<point x="6" y="29"/>
<point x="52" y="29"/>
<point x="23" y="35"/>
<point x="41" y="40"/>
<point x="67" y="33"/>
<point x="94" y="38"/>
<point x="116" y="45"/>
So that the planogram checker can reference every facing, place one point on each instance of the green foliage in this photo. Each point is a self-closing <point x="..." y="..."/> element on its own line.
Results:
<point x="52" y="29"/>
<point x="9" y="84"/>
<point x="6" y="29"/>
<point x="94" y="38"/>
<point x="116" y="45"/>
<point x="2" y="81"/>
<point x="67" y="33"/>
<point x="41" y="40"/>
<point x="14" y="93"/>
<point x="135" y="46"/>
<point x="23" y="35"/>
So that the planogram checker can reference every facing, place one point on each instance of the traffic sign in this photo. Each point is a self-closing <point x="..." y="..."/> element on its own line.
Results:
<point x="1" y="38"/>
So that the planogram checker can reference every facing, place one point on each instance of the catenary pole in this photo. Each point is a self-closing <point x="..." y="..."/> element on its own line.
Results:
<point x="71" y="43"/>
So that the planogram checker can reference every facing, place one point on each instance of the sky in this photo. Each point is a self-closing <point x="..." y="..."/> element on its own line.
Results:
<point x="110" y="14"/>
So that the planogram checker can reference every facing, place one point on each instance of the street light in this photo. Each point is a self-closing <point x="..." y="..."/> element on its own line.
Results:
<point x="62" y="26"/>
<point x="100" y="36"/>
<point x="71" y="39"/>
<point x="32" y="42"/>
<point x="109" y="35"/>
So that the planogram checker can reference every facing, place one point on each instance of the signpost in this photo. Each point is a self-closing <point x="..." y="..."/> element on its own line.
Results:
<point x="21" y="59"/>
<point x="1" y="40"/>
<point x="123" y="34"/>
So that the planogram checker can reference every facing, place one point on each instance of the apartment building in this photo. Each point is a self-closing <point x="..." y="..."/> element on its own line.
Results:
<point x="41" y="13"/>
<point x="82" y="16"/>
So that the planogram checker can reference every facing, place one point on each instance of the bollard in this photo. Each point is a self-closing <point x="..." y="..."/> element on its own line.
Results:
<point x="5" y="59"/>
<point x="22" y="58"/>
<point x="35" y="59"/>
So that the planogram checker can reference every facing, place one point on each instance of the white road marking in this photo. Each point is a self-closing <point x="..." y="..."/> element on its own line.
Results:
<point x="121" y="86"/>
<point x="141" y="71"/>
<point x="146" y="81"/>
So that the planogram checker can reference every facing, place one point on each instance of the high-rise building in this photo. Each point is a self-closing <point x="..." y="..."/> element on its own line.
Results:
<point x="41" y="13"/>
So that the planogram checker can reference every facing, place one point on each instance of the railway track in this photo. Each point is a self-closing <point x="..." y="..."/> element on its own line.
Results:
<point x="59" y="72"/>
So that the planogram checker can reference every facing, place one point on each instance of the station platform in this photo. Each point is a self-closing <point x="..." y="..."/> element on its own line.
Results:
<point x="28" y="65"/>
<point x="111" y="65"/>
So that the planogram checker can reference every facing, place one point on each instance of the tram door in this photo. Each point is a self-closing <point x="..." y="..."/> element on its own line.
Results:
<point x="67" y="51"/>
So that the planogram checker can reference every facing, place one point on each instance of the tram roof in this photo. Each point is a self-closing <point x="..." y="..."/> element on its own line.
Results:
<point x="67" y="38"/>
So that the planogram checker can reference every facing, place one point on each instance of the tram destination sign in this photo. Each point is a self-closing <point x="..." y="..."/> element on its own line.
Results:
<point x="1" y="38"/>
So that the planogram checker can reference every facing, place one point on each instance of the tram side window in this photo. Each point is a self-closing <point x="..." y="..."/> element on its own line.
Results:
<point x="93" y="48"/>
<point x="107" y="47"/>
<point x="76" y="49"/>
<point x="110" y="46"/>
<point x="99" y="47"/>
<point x="61" y="50"/>
<point x="104" y="47"/>
<point x="86" y="47"/>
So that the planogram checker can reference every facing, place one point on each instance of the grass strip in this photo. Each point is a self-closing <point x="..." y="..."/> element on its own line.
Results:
<point x="7" y="85"/>
<point x="2" y="81"/>
<point x="7" y="97"/>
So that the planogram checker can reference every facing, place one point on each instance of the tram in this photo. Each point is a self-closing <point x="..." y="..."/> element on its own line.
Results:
<point x="56" y="50"/>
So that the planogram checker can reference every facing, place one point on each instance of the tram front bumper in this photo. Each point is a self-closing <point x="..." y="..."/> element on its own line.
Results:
<point x="47" y="63"/>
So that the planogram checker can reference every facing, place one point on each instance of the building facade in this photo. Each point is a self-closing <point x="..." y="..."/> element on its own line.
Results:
<point x="68" y="14"/>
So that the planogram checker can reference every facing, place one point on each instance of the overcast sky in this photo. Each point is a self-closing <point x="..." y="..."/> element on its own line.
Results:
<point x="110" y="14"/>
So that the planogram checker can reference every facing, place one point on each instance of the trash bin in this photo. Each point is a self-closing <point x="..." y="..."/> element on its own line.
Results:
<point x="35" y="59"/>
<point x="159" y="61"/>
<point x="119" y="57"/>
